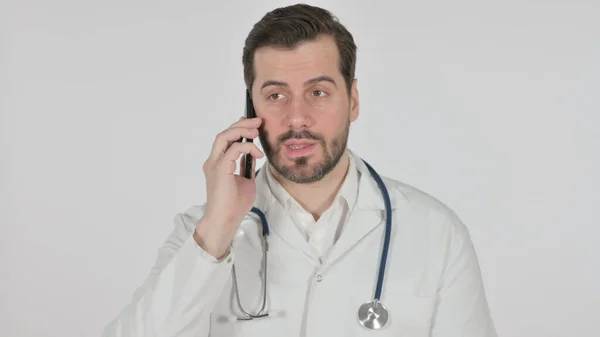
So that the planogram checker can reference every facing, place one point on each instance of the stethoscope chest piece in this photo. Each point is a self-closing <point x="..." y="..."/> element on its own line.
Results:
<point x="373" y="315"/>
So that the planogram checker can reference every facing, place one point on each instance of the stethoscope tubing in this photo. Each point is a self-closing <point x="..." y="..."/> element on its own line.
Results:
<point x="388" y="230"/>
<point x="382" y="263"/>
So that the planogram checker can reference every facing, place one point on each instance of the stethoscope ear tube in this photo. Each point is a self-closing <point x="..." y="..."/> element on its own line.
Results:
<point x="263" y="220"/>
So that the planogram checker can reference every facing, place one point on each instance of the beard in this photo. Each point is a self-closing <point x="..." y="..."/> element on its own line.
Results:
<point x="301" y="171"/>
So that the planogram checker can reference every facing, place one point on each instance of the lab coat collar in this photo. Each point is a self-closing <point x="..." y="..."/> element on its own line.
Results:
<point x="369" y="195"/>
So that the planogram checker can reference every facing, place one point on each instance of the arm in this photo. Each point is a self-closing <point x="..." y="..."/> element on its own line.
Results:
<point x="180" y="292"/>
<point x="462" y="308"/>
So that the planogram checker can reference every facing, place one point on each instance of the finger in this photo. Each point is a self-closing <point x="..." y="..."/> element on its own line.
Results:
<point x="242" y="165"/>
<point x="237" y="149"/>
<point x="226" y="138"/>
<point x="247" y="122"/>
<point x="228" y="161"/>
<point x="234" y="123"/>
<point x="227" y="164"/>
<point x="243" y="122"/>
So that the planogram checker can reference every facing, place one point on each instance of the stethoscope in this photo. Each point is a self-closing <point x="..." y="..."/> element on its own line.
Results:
<point x="373" y="314"/>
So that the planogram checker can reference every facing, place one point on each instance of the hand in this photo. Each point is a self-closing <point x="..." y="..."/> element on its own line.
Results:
<point x="229" y="196"/>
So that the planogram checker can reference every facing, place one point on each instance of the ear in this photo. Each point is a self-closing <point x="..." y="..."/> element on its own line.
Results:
<point x="354" y="102"/>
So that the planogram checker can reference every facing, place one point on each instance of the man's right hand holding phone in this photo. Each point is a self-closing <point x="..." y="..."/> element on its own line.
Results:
<point x="229" y="196"/>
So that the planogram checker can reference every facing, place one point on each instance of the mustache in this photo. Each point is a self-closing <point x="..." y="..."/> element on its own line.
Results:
<point x="298" y="135"/>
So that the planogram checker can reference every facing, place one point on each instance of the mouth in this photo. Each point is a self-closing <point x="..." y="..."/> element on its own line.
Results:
<point x="298" y="148"/>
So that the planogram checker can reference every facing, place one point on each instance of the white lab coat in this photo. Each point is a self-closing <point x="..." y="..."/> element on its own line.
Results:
<point x="432" y="287"/>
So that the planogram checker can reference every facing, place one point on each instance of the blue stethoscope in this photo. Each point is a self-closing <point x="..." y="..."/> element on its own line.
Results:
<point x="373" y="314"/>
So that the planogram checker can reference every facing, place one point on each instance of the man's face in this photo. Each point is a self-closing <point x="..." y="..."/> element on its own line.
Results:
<point x="302" y="99"/>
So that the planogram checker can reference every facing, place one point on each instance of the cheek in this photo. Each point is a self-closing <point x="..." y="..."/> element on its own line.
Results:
<point x="271" y="129"/>
<point x="333" y="124"/>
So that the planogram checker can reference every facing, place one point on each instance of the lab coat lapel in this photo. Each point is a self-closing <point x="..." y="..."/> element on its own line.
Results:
<point x="367" y="214"/>
<point x="360" y="224"/>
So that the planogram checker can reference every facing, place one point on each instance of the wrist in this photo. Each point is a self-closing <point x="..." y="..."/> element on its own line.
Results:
<point x="210" y="237"/>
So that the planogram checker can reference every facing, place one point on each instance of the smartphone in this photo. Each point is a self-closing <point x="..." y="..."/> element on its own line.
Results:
<point x="250" y="113"/>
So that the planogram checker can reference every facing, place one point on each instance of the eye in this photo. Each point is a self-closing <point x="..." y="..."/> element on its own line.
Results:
<point x="275" y="97"/>
<point x="319" y="93"/>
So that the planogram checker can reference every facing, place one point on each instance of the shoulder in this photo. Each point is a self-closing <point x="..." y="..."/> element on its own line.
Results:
<point x="429" y="225"/>
<point x="425" y="206"/>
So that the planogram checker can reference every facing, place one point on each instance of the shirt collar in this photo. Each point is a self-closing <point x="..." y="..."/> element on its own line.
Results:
<point x="365" y="195"/>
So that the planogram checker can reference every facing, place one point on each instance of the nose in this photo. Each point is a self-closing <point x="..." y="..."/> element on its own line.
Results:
<point x="298" y="115"/>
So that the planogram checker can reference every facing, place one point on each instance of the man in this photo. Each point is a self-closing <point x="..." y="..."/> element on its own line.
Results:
<point x="325" y="212"/>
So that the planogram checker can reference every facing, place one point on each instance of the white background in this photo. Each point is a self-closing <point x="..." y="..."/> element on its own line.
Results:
<point x="109" y="109"/>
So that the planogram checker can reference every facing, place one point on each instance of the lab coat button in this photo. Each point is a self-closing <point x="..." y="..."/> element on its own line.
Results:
<point x="229" y="260"/>
<point x="319" y="278"/>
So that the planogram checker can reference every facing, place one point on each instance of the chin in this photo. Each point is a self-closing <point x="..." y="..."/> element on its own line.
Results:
<point x="302" y="170"/>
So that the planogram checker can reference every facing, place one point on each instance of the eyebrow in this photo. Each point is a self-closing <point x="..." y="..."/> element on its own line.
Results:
<point x="308" y="82"/>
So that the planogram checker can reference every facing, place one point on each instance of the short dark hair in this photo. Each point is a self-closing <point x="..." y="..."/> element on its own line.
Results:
<point x="289" y="26"/>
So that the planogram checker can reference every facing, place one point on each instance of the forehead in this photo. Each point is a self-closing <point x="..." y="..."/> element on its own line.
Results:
<point x="309" y="59"/>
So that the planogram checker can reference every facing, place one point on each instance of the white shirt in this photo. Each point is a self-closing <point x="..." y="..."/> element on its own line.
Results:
<point x="324" y="232"/>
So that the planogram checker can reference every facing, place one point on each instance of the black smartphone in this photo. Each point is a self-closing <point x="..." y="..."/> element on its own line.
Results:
<point x="250" y="113"/>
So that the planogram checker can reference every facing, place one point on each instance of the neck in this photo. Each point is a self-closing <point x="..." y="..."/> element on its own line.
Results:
<point x="316" y="197"/>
